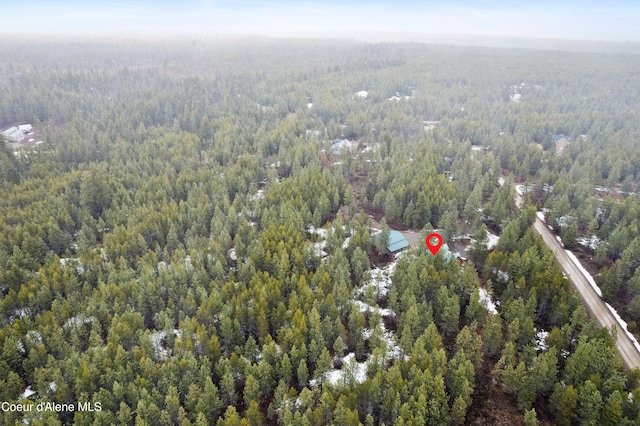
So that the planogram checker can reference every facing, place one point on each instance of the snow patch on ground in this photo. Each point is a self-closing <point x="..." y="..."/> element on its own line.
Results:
<point x="380" y="279"/>
<point x="78" y="320"/>
<point x="541" y="340"/>
<point x="321" y="232"/>
<point x="345" y="243"/>
<point x="485" y="299"/>
<point x="72" y="261"/>
<point x="564" y="221"/>
<point x="521" y="189"/>
<point x="491" y="241"/>
<point x="27" y="393"/>
<point x="318" y="248"/>
<point x="593" y="242"/>
<point x="156" y="340"/>
<point x="22" y="313"/>
<point x="501" y="275"/>
<point x="232" y="254"/>
<point x="258" y="195"/>
<point x="358" y="370"/>
<point x="34" y="336"/>
<point x="366" y="308"/>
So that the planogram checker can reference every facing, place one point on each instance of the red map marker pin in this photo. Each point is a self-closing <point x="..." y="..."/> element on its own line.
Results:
<point x="433" y="248"/>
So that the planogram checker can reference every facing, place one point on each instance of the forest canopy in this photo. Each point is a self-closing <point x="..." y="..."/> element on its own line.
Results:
<point x="188" y="246"/>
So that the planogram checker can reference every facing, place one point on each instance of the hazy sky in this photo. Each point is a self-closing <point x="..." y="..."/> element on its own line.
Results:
<point x="574" y="19"/>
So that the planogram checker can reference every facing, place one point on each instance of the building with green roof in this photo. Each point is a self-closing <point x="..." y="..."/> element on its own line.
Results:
<point x="397" y="242"/>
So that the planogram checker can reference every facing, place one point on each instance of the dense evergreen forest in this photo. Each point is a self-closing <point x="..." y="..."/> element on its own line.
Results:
<point x="188" y="247"/>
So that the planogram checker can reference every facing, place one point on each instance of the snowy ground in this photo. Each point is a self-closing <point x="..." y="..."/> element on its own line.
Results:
<point x="64" y="262"/>
<point x="485" y="299"/>
<point x="521" y="189"/>
<point x="349" y="365"/>
<point x="380" y="280"/>
<point x="319" y="247"/>
<point x="591" y="243"/>
<point x="501" y="275"/>
<point x="156" y="341"/>
<point x="541" y="340"/>
<point x="74" y="321"/>
<point x="258" y="195"/>
<point x="27" y="393"/>
<point x="492" y="241"/>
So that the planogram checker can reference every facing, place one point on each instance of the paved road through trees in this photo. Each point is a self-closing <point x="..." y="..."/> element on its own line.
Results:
<point x="592" y="301"/>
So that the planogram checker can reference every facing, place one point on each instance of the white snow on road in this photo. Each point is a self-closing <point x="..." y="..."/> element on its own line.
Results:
<point x="623" y="324"/>
<point x="586" y="273"/>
